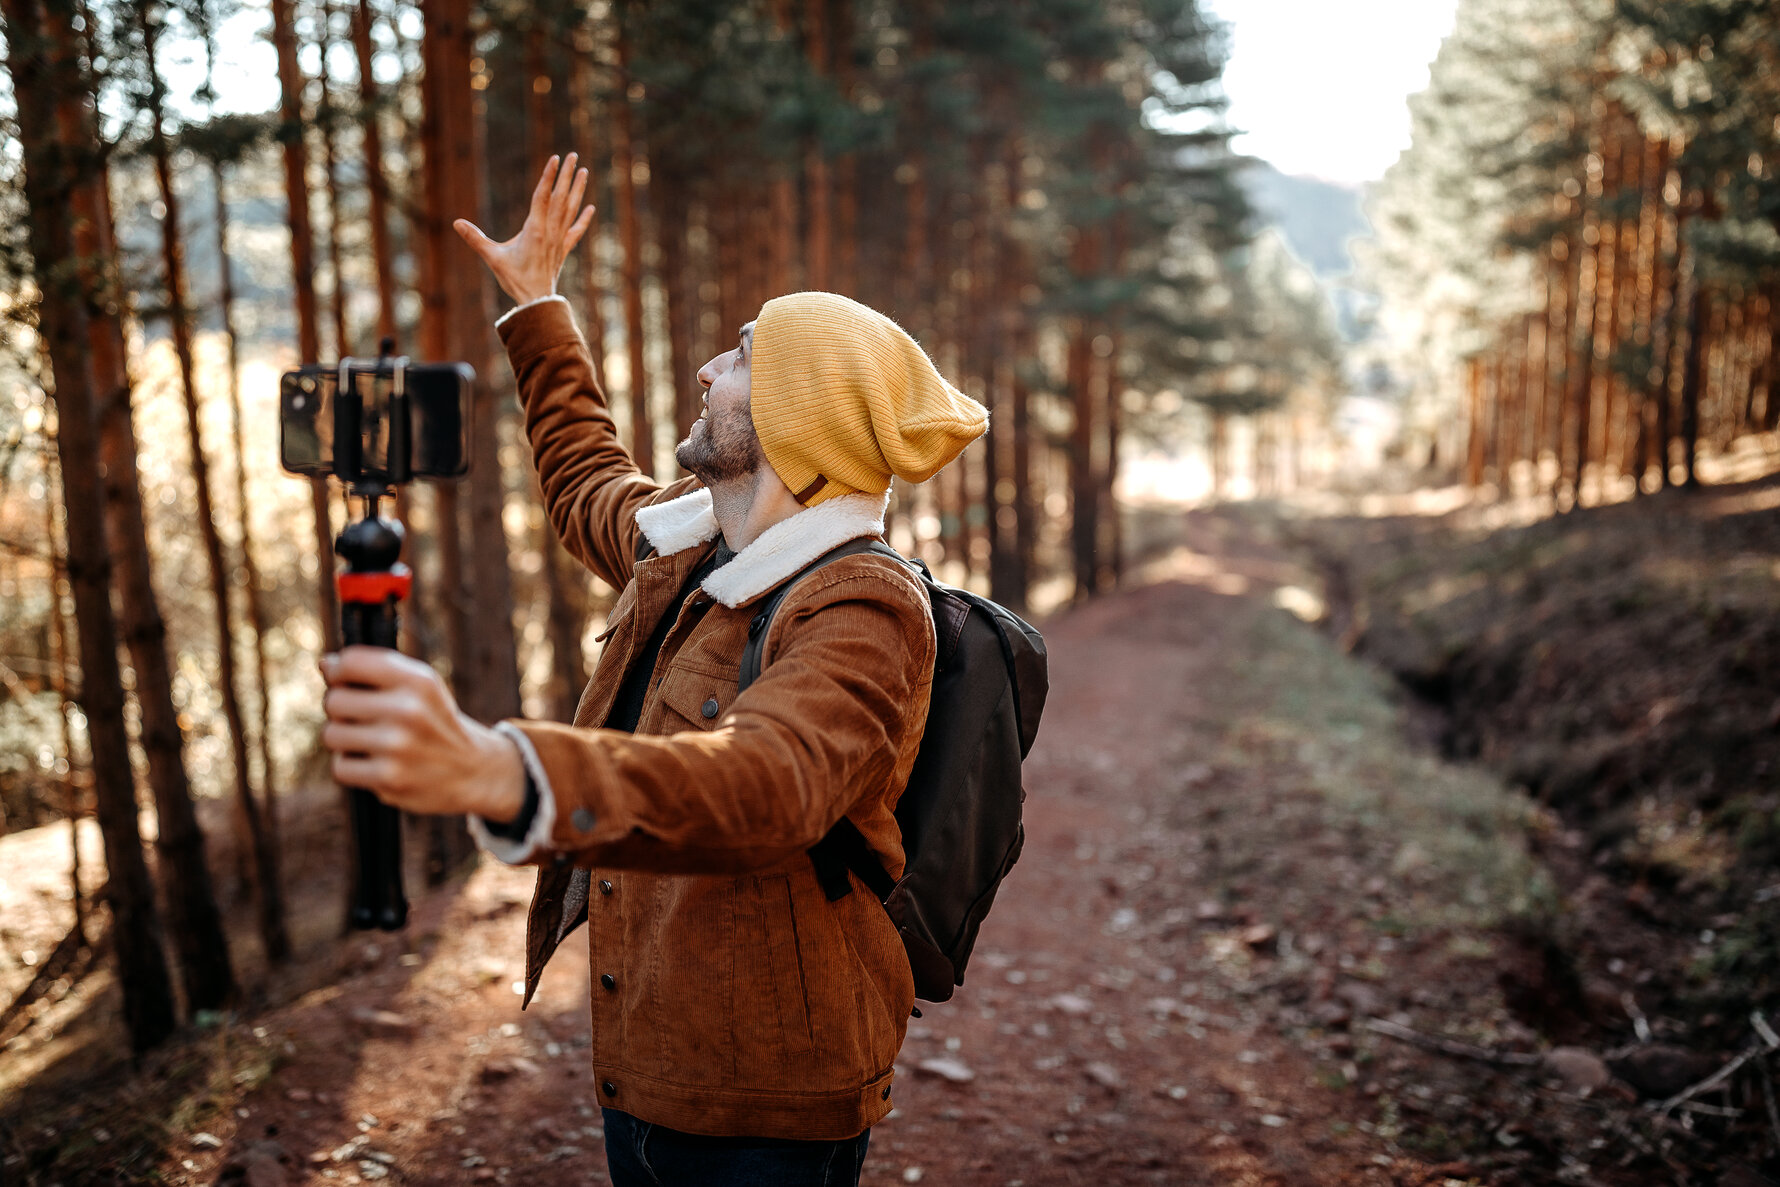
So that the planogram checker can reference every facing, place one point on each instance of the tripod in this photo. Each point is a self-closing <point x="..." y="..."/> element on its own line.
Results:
<point x="372" y="586"/>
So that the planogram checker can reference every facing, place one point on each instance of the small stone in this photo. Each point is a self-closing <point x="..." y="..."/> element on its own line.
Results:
<point x="1104" y="1074"/>
<point x="206" y="1141"/>
<point x="1578" y="1068"/>
<point x="950" y="1070"/>
<point x="1272" y="1120"/>
<point x="483" y="1174"/>
<point x="1072" y="1003"/>
<point x="912" y="1174"/>
<point x="384" y="1022"/>
<point x="1261" y="937"/>
<point x="299" y="1094"/>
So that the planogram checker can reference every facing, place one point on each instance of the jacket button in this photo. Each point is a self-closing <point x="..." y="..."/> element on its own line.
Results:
<point x="709" y="708"/>
<point x="608" y="980"/>
<point x="886" y="1095"/>
<point x="605" y="886"/>
<point x="609" y="1088"/>
<point x="582" y="819"/>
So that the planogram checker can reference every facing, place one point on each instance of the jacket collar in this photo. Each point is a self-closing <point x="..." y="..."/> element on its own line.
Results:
<point x="778" y="553"/>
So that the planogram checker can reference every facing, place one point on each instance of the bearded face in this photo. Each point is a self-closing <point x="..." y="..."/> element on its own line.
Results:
<point x="722" y="445"/>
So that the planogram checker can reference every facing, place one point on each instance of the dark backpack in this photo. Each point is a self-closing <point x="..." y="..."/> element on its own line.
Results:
<point x="960" y="816"/>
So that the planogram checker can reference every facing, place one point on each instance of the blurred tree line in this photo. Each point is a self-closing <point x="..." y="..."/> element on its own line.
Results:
<point x="1042" y="192"/>
<point x="1580" y="253"/>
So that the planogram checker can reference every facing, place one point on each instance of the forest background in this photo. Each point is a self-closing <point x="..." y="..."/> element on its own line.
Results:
<point x="1569" y="297"/>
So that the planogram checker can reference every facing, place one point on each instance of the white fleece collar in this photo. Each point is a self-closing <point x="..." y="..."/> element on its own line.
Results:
<point x="778" y="553"/>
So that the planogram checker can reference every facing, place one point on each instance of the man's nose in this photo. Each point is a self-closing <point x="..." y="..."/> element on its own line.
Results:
<point x="706" y="376"/>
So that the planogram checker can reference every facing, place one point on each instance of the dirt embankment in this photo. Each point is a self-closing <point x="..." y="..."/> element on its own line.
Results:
<point x="1621" y="665"/>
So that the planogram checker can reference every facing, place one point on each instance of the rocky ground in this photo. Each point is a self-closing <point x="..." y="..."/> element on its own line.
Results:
<point x="1260" y="934"/>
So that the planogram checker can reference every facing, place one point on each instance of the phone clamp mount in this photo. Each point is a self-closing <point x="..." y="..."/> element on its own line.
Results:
<point x="372" y="587"/>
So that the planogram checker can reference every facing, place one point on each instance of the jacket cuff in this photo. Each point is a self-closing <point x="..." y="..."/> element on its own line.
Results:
<point x="530" y="329"/>
<point x="502" y="319"/>
<point x="537" y="838"/>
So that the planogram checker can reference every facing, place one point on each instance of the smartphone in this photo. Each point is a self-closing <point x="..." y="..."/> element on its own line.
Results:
<point x="422" y="432"/>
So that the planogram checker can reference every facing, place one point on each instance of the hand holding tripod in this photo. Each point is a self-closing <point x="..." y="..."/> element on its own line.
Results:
<point x="361" y="423"/>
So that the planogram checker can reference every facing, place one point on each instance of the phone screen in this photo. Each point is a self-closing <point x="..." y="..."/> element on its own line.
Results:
<point x="438" y="413"/>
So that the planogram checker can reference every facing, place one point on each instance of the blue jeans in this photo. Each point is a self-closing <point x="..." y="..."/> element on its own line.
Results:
<point x="639" y="1154"/>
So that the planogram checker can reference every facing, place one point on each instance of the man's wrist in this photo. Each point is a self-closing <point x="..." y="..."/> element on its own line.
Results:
<point x="504" y="784"/>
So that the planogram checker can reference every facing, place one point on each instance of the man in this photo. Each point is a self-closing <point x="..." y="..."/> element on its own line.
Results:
<point x="744" y="1027"/>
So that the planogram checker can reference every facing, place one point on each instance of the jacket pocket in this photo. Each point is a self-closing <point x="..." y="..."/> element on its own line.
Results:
<point x="694" y="699"/>
<point x="774" y="1012"/>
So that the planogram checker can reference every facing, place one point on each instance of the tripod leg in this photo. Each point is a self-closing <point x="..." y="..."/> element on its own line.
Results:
<point x="378" y="900"/>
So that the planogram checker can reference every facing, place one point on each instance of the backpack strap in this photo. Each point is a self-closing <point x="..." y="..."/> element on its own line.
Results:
<point x="754" y="653"/>
<point x="844" y="847"/>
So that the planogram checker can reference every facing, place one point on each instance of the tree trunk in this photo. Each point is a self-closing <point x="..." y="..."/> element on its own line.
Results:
<point x="630" y="232"/>
<point x="581" y="84"/>
<point x="302" y="254"/>
<point x="1693" y="377"/>
<point x="267" y="881"/>
<point x="196" y="923"/>
<point x="376" y="184"/>
<point x="1084" y="515"/>
<point x="53" y="174"/>
<point x="494" y="660"/>
<point x="1671" y="307"/>
<point x="672" y="212"/>
<point x="1581" y="350"/>
<point x="71" y="805"/>
<point x="817" y="196"/>
<point x="431" y="229"/>
<point x="566" y="613"/>
<point x="256" y="606"/>
<point x="325" y="117"/>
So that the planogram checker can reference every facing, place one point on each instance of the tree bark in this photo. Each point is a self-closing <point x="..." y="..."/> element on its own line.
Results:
<point x="256" y="605"/>
<point x="817" y="195"/>
<point x="630" y="233"/>
<point x="1693" y="377"/>
<point x="1084" y="516"/>
<point x="431" y="230"/>
<point x="325" y="116"/>
<point x="199" y="941"/>
<point x="302" y="254"/>
<point x="494" y="660"/>
<point x="267" y="881"/>
<point x="581" y="84"/>
<point x="71" y="805"/>
<point x="45" y="70"/>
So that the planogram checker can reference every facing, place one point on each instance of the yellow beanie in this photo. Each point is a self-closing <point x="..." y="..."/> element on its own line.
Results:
<point x="843" y="399"/>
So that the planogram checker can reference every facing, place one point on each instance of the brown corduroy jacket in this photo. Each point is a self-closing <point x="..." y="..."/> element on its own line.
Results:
<point x="730" y="997"/>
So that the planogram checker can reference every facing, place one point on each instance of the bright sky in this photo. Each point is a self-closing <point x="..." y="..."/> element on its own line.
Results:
<point x="1318" y="86"/>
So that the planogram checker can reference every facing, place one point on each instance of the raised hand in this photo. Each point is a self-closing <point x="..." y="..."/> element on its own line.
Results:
<point x="526" y="265"/>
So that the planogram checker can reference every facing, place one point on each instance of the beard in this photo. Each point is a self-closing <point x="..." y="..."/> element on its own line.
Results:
<point x="721" y="449"/>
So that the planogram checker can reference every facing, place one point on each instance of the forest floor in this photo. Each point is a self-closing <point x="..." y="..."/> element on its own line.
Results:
<point x="1254" y="895"/>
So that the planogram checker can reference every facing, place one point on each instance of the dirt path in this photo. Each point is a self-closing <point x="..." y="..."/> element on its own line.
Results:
<point x="1217" y="881"/>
